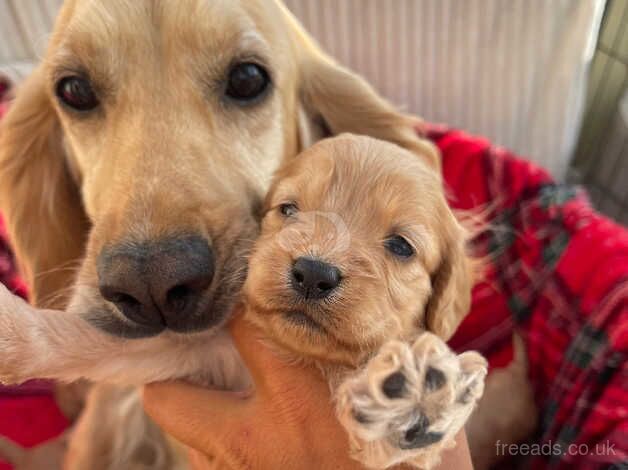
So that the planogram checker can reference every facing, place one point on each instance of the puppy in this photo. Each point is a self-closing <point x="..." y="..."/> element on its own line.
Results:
<point x="359" y="256"/>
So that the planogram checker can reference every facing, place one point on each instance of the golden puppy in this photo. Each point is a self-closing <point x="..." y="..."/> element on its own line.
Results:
<point x="361" y="260"/>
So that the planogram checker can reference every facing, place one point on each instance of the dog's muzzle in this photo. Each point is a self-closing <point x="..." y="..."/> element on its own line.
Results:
<point x="160" y="284"/>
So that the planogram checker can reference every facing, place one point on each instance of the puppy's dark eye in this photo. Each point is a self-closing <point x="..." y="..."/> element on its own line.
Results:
<point x="247" y="81"/>
<point x="77" y="93"/>
<point x="288" y="209"/>
<point x="399" y="246"/>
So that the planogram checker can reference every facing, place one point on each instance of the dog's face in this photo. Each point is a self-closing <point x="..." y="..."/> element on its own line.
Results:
<point x="142" y="145"/>
<point x="358" y="245"/>
<point x="171" y="113"/>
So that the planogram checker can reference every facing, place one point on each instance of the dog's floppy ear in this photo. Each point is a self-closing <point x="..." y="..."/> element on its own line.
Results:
<point x="335" y="100"/>
<point x="452" y="281"/>
<point x="38" y="198"/>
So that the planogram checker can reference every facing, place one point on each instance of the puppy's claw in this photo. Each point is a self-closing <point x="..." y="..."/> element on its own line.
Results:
<point x="410" y="401"/>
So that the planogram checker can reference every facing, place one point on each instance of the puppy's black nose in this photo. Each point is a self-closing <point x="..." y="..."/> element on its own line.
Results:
<point x="314" y="279"/>
<point x="160" y="282"/>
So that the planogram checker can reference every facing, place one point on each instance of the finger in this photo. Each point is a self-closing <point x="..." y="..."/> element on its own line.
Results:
<point x="198" y="417"/>
<point x="255" y="349"/>
<point x="247" y="337"/>
<point x="266" y="362"/>
<point x="10" y="452"/>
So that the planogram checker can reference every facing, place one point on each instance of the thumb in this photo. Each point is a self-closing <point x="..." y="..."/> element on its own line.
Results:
<point x="266" y="362"/>
<point x="201" y="418"/>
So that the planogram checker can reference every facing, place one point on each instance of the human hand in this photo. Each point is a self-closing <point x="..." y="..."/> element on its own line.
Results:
<point x="288" y="421"/>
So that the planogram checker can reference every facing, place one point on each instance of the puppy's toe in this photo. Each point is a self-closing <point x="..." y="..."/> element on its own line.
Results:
<point x="470" y="385"/>
<point x="428" y="345"/>
<point x="394" y="386"/>
<point x="435" y="379"/>
<point x="391" y="374"/>
<point x="380" y="397"/>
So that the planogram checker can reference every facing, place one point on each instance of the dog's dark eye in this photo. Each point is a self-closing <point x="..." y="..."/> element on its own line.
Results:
<point x="77" y="93"/>
<point x="399" y="246"/>
<point x="247" y="81"/>
<point x="288" y="209"/>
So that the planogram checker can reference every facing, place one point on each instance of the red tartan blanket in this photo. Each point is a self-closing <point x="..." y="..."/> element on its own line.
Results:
<point x="558" y="275"/>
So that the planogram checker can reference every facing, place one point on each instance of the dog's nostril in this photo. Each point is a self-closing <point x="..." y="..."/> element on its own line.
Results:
<point x="126" y="303"/>
<point x="325" y="286"/>
<point x="117" y="297"/>
<point x="298" y="277"/>
<point x="178" y="297"/>
<point x="126" y="299"/>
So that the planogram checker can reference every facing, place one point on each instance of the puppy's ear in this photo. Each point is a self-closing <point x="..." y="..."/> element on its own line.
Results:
<point x="452" y="281"/>
<point x="38" y="198"/>
<point x="334" y="100"/>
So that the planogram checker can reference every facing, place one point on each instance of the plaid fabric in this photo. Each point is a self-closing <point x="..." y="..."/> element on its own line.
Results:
<point x="558" y="275"/>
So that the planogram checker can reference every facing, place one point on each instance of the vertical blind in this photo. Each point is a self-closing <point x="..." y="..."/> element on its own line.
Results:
<point x="512" y="70"/>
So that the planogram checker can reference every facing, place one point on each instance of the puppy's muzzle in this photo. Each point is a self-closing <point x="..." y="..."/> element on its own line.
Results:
<point x="159" y="283"/>
<point x="314" y="279"/>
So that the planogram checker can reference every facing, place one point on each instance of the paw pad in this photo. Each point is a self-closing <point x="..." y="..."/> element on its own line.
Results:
<point x="394" y="385"/>
<point x="434" y="379"/>
<point x="417" y="436"/>
<point x="360" y="417"/>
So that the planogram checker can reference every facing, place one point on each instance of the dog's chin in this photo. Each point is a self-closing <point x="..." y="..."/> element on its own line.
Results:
<point x="302" y="334"/>
<point x="301" y="319"/>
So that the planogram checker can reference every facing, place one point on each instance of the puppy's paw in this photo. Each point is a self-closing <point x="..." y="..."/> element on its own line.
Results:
<point x="409" y="402"/>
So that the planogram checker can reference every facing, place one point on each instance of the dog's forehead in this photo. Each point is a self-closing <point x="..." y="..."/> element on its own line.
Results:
<point x="213" y="24"/>
<point x="365" y="181"/>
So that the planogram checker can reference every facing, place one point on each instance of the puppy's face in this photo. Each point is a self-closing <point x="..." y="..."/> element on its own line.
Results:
<point x="358" y="246"/>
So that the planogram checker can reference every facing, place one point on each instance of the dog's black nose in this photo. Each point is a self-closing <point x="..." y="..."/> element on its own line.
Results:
<point x="314" y="279"/>
<point x="158" y="282"/>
